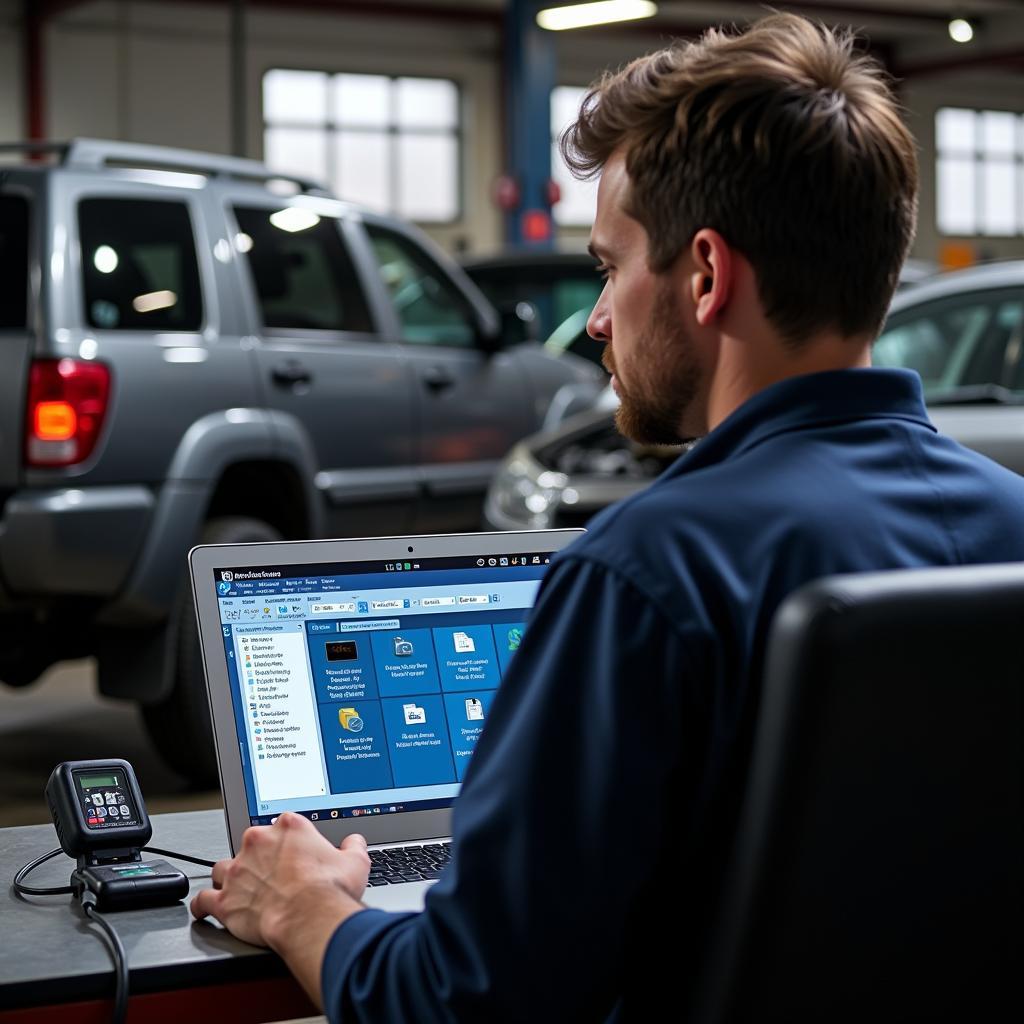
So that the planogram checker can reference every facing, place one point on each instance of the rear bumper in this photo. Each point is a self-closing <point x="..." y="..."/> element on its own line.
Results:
<point x="71" y="542"/>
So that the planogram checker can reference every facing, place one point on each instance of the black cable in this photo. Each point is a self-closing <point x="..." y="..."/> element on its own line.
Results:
<point x="28" y="890"/>
<point x="180" y="856"/>
<point x="88" y="901"/>
<point x="117" y="950"/>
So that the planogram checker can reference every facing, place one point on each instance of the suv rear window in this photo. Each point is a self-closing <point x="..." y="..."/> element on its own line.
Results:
<point x="301" y="270"/>
<point x="13" y="262"/>
<point x="139" y="269"/>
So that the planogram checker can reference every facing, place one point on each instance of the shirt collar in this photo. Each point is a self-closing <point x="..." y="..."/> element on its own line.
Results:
<point x="810" y="400"/>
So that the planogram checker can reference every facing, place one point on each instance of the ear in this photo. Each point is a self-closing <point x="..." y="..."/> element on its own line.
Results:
<point x="713" y="275"/>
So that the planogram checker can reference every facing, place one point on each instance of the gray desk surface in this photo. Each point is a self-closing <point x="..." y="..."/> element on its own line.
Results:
<point x="50" y="953"/>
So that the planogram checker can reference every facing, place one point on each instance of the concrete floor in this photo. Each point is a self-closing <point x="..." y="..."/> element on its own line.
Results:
<point x="61" y="718"/>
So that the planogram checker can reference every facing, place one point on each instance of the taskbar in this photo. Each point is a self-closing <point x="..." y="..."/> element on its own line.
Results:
<point x="333" y="813"/>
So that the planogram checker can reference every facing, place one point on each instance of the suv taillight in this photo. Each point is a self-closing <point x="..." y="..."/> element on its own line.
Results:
<point x="67" y="401"/>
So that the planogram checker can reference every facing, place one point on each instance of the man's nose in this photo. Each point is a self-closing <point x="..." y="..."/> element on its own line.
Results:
<point x="599" y="323"/>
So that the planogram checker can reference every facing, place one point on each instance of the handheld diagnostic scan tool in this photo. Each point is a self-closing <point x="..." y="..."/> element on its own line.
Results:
<point x="101" y="821"/>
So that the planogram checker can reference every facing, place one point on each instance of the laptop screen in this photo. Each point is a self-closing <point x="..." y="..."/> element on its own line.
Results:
<point x="361" y="688"/>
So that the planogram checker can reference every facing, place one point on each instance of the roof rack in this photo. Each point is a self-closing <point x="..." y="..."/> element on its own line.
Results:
<point x="95" y="153"/>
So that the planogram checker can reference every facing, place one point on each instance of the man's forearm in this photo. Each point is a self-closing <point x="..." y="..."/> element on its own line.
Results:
<point x="301" y="935"/>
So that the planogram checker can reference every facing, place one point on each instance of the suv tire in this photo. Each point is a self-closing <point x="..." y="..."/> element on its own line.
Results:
<point x="180" y="725"/>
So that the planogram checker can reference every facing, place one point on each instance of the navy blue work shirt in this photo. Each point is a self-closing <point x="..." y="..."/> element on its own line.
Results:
<point x="590" y="833"/>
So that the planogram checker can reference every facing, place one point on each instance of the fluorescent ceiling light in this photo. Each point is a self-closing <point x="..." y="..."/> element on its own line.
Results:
<point x="557" y="19"/>
<point x="152" y="301"/>
<point x="960" y="30"/>
<point x="294" y="218"/>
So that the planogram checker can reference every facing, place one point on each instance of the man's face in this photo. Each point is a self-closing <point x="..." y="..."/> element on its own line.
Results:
<point x="656" y="369"/>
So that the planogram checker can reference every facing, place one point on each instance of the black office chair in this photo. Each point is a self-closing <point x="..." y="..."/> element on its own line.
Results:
<point x="880" y="851"/>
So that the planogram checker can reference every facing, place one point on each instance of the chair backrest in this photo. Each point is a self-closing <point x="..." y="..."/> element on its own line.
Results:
<point x="877" y="871"/>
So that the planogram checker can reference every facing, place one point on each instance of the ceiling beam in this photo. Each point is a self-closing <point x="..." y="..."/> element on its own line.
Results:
<point x="839" y="12"/>
<point x="1006" y="60"/>
<point x="447" y="12"/>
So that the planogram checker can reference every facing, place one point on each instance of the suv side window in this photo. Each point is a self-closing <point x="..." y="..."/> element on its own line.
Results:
<point x="301" y="271"/>
<point x="952" y="343"/>
<point x="13" y="261"/>
<point x="429" y="307"/>
<point x="139" y="268"/>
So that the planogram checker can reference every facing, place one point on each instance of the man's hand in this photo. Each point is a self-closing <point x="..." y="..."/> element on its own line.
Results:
<point x="289" y="889"/>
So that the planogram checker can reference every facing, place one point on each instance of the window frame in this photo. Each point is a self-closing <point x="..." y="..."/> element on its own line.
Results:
<point x="331" y="128"/>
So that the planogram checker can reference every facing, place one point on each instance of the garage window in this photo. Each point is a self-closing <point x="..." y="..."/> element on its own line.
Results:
<point x="389" y="143"/>
<point x="578" y="204"/>
<point x="979" y="172"/>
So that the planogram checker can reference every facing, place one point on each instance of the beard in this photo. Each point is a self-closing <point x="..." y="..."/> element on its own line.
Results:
<point x="665" y="377"/>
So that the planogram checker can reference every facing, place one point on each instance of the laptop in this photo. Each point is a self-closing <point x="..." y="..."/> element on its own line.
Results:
<point x="349" y="681"/>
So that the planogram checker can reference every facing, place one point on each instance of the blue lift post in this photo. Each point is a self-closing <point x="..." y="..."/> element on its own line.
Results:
<point x="529" y="78"/>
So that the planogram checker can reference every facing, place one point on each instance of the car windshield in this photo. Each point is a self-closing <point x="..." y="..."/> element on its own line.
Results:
<point x="555" y="299"/>
<point x="968" y="347"/>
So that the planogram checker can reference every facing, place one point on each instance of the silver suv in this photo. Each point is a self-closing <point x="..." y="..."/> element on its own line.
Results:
<point x="192" y="349"/>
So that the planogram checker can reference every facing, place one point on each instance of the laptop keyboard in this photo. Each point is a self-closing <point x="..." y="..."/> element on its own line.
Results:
<point x="408" y="863"/>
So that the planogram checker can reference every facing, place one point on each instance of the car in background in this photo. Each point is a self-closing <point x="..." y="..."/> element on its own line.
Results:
<point x="914" y="271"/>
<point x="962" y="332"/>
<point x="197" y="350"/>
<point x="542" y="296"/>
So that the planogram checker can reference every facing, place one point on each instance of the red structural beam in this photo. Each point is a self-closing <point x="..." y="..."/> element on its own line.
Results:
<point x="35" y="14"/>
<point x="35" y="114"/>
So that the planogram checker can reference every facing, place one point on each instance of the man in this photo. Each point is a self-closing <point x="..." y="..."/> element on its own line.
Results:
<point x="757" y="200"/>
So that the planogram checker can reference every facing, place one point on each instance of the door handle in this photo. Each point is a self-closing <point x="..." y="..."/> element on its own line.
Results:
<point x="291" y="374"/>
<point x="437" y="378"/>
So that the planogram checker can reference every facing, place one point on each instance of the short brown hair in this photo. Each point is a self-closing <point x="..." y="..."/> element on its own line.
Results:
<point x="784" y="139"/>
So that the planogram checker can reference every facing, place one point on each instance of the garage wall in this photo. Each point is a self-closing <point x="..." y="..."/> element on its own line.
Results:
<point x="159" y="72"/>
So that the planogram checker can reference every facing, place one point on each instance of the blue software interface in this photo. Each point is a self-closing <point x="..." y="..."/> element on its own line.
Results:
<point x="362" y="688"/>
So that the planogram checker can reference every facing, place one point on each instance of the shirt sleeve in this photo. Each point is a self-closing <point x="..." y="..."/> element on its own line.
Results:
<point x="560" y="818"/>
